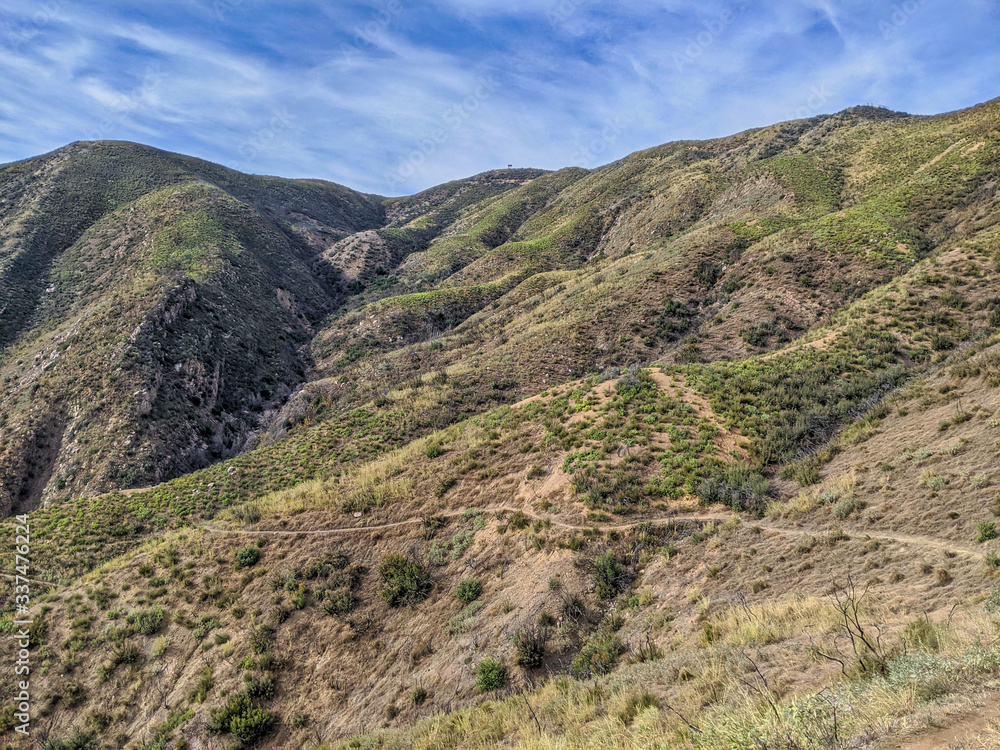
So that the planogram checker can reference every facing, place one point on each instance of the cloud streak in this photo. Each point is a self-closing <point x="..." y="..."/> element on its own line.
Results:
<point x="387" y="96"/>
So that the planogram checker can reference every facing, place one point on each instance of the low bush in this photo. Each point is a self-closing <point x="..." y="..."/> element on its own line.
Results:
<point x="986" y="531"/>
<point x="598" y="656"/>
<point x="491" y="675"/>
<point x="529" y="648"/>
<point x="845" y="507"/>
<point x="739" y="488"/>
<point x="241" y="718"/>
<point x="79" y="740"/>
<point x="573" y="606"/>
<point x="339" y="602"/>
<point x="247" y="557"/>
<point x="125" y="653"/>
<point x="469" y="590"/>
<point x="403" y="581"/>
<point x="609" y="576"/>
<point x="260" y="687"/>
<point x="146" y="621"/>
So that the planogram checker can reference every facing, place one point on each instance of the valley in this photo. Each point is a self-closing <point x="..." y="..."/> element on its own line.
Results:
<point x="697" y="449"/>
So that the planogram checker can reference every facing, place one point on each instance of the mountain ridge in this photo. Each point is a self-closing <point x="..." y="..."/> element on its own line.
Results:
<point x="610" y="445"/>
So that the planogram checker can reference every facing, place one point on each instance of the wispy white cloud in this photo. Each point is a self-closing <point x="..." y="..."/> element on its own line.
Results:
<point x="357" y="91"/>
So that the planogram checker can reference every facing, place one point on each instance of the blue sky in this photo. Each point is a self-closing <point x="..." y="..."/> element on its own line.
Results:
<point x="392" y="96"/>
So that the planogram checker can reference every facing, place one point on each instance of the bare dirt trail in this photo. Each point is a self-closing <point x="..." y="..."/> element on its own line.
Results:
<point x="940" y="156"/>
<point x="913" y="541"/>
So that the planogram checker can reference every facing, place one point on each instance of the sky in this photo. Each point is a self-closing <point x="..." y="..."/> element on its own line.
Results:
<point x="394" y="96"/>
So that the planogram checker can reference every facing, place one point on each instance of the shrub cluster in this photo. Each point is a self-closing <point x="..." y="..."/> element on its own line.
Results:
<point x="403" y="581"/>
<point x="242" y="718"/>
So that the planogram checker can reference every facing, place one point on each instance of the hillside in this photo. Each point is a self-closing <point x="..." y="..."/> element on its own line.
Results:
<point x="693" y="450"/>
<point x="157" y="310"/>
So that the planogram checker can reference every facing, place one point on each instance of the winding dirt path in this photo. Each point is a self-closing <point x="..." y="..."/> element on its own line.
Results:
<point x="915" y="541"/>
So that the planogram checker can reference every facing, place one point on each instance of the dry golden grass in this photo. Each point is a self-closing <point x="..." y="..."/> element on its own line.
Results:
<point x="763" y="623"/>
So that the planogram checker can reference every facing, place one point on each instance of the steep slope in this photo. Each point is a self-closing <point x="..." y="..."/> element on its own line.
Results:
<point x="577" y="513"/>
<point x="158" y="308"/>
<point x="486" y="523"/>
<point x="688" y="252"/>
<point x="151" y="319"/>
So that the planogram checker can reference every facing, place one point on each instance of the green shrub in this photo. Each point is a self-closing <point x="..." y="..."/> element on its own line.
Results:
<point x="260" y="687"/>
<point x="252" y="725"/>
<point x="247" y="513"/>
<point x="598" y="656"/>
<point x="545" y="620"/>
<point x="491" y="675"/>
<point x="125" y="653"/>
<point x="610" y="489"/>
<point x="146" y="621"/>
<point x="986" y="531"/>
<point x="403" y="581"/>
<point x="79" y="740"/>
<point x="434" y="450"/>
<point x="738" y="487"/>
<point x="519" y="521"/>
<point x="609" y="576"/>
<point x="260" y="638"/>
<point x="241" y="718"/>
<point x="205" y="684"/>
<point x="469" y="590"/>
<point x="845" y="507"/>
<point x="299" y="597"/>
<point x="160" y="646"/>
<point x="807" y="474"/>
<point x="247" y="557"/>
<point x="339" y="602"/>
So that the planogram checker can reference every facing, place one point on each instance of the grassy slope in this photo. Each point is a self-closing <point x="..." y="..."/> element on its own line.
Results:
<point x="553" y="458"/>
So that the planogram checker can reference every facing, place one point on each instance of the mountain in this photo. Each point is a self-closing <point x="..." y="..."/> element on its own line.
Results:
<point x="695" y="449"/>
<point x="156" y="309"/>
